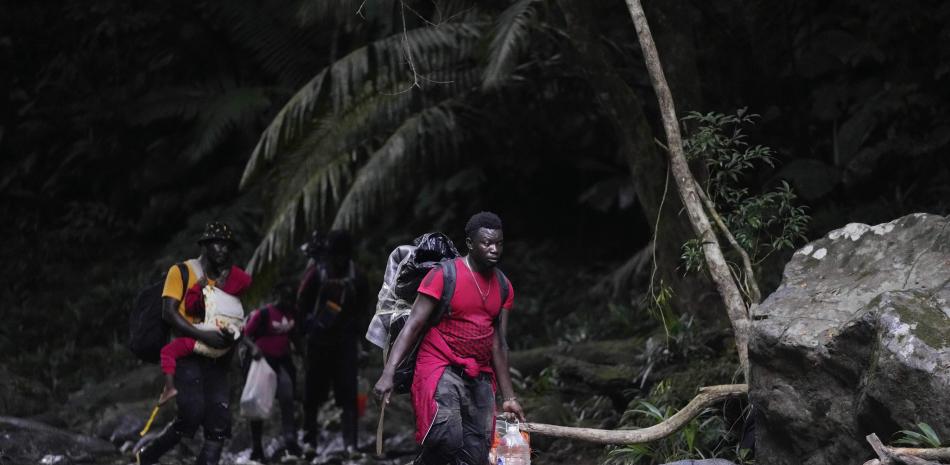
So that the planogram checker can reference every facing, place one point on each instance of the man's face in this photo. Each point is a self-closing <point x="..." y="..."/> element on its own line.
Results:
<point x="218" y="252"/>
<point x="486" y="246"/>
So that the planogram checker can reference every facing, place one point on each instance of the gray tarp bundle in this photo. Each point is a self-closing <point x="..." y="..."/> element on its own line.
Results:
<point x="406" y="267"/>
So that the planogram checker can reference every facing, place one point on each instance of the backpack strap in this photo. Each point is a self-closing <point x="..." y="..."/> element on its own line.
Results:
<point x="448" y="290"/>
<point x="504" y="290"/>
<point x="183" y="271"/>
<point x="502" y="285"/>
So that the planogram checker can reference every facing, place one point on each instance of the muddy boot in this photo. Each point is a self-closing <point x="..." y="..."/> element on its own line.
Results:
<point x="150" y="454"/>
<point x="210" y="453"/>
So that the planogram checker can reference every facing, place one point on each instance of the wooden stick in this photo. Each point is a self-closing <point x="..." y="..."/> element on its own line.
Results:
<point x="379" y="427"/>
<point x="707" y="396"/>
<point x="151" y="418"/>
<point x="878" y="447"/>
<point x="939" y="454"/>
<point x="899" y="455"/>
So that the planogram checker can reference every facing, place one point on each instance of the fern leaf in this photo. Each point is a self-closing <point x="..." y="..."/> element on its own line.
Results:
<point x="510" y="33"/>
<point x="334" y="88"/>
<point x="269" y="35"/>
<point x="222" y="115"/>
<point x="422" y="142"/>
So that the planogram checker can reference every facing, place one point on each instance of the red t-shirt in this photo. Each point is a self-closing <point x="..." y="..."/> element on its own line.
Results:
<point x="274" y="338"/>
<point x="469" y="329"/>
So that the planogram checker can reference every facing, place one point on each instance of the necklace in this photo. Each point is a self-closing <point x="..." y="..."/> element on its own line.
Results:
<point x="483" y="295"/>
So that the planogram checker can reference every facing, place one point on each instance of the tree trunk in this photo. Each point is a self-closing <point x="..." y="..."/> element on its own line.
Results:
<point x="686" y="185"/>
<point x="648" y="165"/>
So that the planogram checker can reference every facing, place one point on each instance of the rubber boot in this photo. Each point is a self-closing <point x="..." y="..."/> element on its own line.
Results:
<point x="257" y="448"/>
<point x="150" y="454"/>
<point x="210" y="453"/>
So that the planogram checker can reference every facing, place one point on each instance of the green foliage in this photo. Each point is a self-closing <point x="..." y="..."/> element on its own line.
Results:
<point x="661" y="308"/>
<point x="924" y="437"/>
<point x="702" y="437"/>
<point x="509" y="38"/>
<point x="358" y="131"/>
<point x="761" y="222"/>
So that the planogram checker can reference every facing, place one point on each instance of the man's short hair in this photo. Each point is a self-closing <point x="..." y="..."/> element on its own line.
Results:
<point x="487" y="220"/>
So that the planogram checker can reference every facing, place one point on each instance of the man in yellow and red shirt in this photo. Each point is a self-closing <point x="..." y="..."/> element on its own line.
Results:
<point x="202" y="383"/>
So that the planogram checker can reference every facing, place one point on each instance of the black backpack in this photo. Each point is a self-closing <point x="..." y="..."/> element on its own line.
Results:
<point x="402" y="377"/>
<point x="148" y="332"/>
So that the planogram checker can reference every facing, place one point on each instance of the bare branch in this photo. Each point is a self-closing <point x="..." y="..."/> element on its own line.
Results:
<point x="891" y="456"/>
<point x="940" y="454"/>
<point x="707" y="396"/>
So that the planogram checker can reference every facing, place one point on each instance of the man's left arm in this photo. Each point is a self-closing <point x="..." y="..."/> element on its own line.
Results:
<point x="500" y="365"/>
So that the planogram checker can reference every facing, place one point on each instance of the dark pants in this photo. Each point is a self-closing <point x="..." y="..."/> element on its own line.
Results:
<point x="462" y="430"/>
<point x="284" y="368"/>
<point x="204" y="395"/>
<point x="336" y="366"/>
<point x="203" y="401"/>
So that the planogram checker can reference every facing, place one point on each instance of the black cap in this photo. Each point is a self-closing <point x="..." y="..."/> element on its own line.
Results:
<point x="217" y="230"/>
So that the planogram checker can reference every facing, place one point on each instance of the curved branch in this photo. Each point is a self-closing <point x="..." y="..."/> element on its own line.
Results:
<point x="707" y="396"/>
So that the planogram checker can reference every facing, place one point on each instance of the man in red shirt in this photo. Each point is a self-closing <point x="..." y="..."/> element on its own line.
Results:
<point x="463" y="357"/>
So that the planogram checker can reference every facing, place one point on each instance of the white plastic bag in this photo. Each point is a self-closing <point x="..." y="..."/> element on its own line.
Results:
<point x="259" y="389"/>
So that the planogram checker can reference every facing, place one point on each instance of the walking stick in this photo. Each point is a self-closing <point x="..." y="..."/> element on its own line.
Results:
<point x="151" y="418"/>
<point x="379" y="427"/>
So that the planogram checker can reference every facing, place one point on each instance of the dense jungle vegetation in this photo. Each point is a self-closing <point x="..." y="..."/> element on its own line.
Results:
<point x="125" y="126"/>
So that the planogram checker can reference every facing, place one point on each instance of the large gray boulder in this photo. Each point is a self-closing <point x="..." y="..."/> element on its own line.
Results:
<point x="855" y="340"/>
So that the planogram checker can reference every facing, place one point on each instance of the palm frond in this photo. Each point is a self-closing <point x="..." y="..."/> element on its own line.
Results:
<point x="424" y="141"/>
<point x="311" y="180"/>
<point x="334" y="88"/>
<point x="285" y="224"/>
<point x="508" y="37"/>
<point x="174" y="102"/>
<point x="361" y="127"/>
<point x="226" y="112"/>
<point x="215" y="108"/>
<point x="269" y="34"/>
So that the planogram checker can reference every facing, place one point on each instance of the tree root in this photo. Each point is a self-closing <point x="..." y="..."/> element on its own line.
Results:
<point x="905" y="455"/>
<point x="707" y="396"/>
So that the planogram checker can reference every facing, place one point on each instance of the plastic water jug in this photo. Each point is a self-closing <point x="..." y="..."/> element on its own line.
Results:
<point x="512" y="449"/>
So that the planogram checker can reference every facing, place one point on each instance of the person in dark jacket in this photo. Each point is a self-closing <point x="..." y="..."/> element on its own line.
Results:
<point x="332" y="300"/>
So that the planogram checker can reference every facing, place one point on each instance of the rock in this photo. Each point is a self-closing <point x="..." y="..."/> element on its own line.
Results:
<point x="855" y="340"/>
<point x="21" y="396"/>
<point x="27" y="441"/>
<point x="144" y="382"/>
<point x="113" y="408"/>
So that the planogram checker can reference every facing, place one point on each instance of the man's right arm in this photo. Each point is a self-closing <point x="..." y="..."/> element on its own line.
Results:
<point x="182" y="326"/>
<point x="421" y="311"/>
